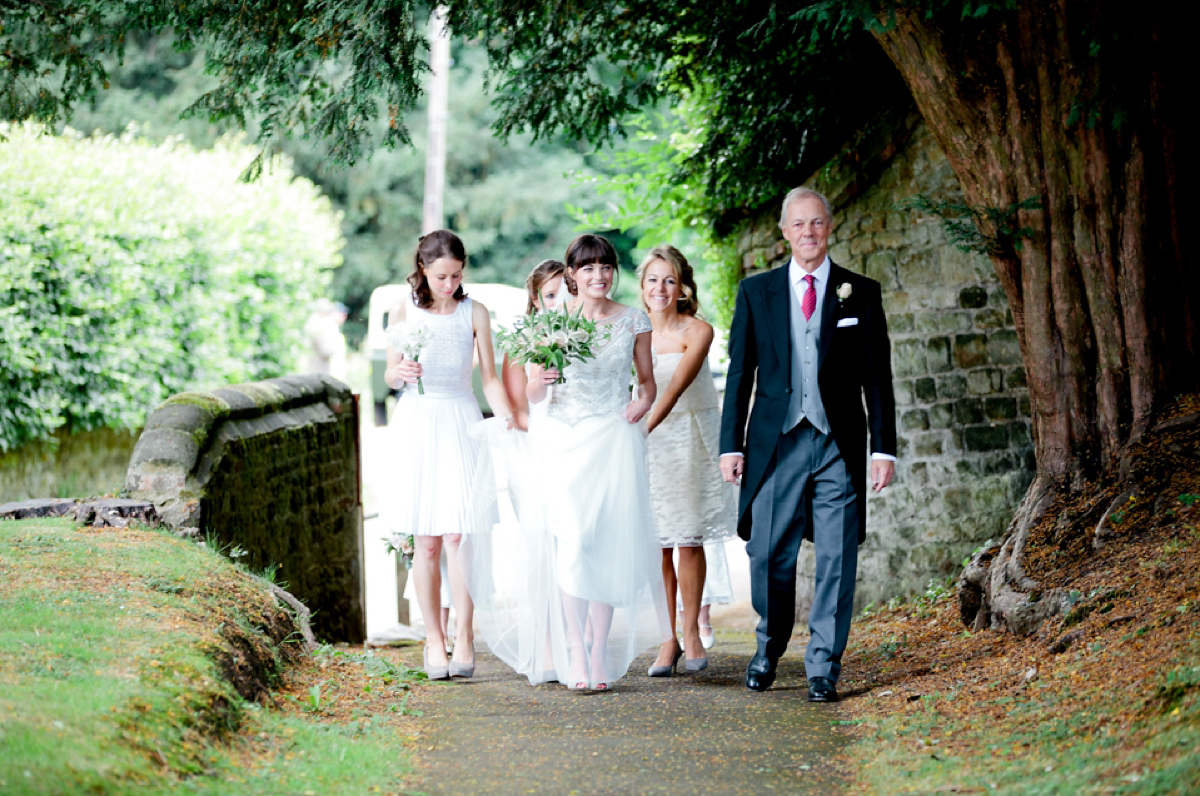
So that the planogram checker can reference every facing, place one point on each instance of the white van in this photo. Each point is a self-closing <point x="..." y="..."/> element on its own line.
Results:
<point x="505" y="304"/>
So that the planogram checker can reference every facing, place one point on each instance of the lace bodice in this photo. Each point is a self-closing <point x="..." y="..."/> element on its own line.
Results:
<point x="700" y="394"/>
<point x="599" y="387"/>
<point x="446" y="360"/>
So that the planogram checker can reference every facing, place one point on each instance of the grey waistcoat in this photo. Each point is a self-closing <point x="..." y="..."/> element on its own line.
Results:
<point x="806" y="343"/>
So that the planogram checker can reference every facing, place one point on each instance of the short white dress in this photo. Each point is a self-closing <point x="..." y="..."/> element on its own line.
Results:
<point x="434" y="453"/>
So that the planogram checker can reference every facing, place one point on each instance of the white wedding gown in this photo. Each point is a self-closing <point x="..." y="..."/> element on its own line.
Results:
<point x="585" y="531"/>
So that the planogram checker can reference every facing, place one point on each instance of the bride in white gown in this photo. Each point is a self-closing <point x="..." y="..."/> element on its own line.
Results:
<point x="589" y="559"/>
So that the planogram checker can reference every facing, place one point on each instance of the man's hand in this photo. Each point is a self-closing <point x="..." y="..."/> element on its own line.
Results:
<point x="882" y="471"/>
<point x="732" y="467"/>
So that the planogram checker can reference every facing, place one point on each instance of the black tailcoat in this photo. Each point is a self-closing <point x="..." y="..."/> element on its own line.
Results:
<point x="854" y="366"/>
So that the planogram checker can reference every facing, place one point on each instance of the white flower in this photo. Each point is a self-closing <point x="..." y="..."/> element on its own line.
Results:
<point x="407" y="339"/>
<point x="843" y="291"/>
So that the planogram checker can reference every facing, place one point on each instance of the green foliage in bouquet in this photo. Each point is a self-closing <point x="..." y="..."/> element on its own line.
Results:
<point x="130" y="271"/>
<point x="551" y="338"/>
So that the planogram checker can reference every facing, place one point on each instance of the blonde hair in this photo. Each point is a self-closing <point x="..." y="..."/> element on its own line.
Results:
<point x="687" y="303"/>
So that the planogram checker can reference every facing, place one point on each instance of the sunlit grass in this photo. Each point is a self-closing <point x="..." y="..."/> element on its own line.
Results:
<point x="108" y="685"/>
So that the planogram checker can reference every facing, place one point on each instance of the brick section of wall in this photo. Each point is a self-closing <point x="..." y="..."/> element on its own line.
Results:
<point x="272" y="469"/>
<point x="966" y="454"/>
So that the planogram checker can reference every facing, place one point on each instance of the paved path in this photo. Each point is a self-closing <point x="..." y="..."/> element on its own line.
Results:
<point x="686" y="735"/>
<point x="700" y="734"/>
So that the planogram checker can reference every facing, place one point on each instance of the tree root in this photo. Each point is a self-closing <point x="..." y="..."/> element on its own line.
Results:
<point x="994" y="591"/>
<point x="299" y="610"/>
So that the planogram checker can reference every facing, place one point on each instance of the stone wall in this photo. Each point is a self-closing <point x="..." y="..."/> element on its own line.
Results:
<point x="270" y="468"/>
<point x="962" y="409"/>
<point x="73" y="464"/>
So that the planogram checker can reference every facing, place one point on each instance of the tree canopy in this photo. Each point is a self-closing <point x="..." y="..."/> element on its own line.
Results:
<point x="333" y="71"/>
<point x="507" y="197"/>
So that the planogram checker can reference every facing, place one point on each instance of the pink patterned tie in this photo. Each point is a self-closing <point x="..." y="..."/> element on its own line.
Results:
<point x="809" y="304"/>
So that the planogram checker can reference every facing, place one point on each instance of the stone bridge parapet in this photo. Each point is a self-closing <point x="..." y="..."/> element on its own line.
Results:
<point x="270" y="471"/>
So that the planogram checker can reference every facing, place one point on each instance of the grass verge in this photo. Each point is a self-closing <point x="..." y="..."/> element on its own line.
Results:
<point x="133" y="662"/>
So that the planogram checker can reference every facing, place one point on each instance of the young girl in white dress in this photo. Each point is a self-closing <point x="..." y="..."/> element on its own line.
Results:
<point x="519" y="607"/>
<point x="693" y="506"/>
<point x="434" y="453"/>
<point x="597" y="505"/>
<point x="545" y="290"/>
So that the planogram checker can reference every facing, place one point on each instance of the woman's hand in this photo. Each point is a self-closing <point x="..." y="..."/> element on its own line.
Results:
<point x="637" y="409"/>
<point x="406" y="370"/>
<point x="550" y="375"/>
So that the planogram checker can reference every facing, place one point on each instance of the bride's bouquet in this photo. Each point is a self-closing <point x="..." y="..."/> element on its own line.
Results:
<point x="408" y="339"/>
<point x="551" y="338"/>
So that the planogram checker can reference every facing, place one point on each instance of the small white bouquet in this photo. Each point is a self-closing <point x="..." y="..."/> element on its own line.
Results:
<point x="407" y="339"/>
<point x="402" y="545"/>
<point x="552" y="339"/>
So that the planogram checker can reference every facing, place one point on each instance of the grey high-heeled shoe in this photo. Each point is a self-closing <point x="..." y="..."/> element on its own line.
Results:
<point x="435" y="672"/>
<point x="462" y="669"/>
<point x="667" y="670"/>
<point x="695" y="664"/>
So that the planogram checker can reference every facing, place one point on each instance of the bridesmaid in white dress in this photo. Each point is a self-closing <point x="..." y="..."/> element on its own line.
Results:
<point x="434" y="453"/>
<point x="592" y="452"/>
<point x="693" y="506"/>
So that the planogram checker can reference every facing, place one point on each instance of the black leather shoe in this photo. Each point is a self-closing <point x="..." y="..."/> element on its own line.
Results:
<point x="760" y="673"/>
<point x="821" y="689"/>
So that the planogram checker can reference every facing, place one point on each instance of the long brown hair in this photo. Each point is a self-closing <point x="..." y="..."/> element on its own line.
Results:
<point x="687" y="303"/>
<point x="542" y="273"/>
<point x="585" y="249"/>
<point x="430" y="247"/>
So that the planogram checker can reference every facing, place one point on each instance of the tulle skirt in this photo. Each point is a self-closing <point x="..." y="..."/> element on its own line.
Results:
<point x="582" y="547"/>
<point x="434" y="460"/>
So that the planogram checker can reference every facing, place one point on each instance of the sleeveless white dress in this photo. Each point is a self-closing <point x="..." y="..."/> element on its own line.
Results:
<point x="584" y="523"/>
<point x="433" y="451"/>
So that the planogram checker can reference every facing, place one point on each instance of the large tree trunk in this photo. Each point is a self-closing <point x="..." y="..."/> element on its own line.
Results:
<point x="1066" y="113"/>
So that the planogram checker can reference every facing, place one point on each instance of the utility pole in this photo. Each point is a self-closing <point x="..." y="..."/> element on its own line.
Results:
<point x="433" y="216"/>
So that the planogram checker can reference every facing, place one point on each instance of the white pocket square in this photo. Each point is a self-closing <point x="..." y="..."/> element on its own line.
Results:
<point x="847" y="322"/>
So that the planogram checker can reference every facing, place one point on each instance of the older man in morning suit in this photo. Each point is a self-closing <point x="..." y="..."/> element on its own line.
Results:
<point x="810" y="341"/>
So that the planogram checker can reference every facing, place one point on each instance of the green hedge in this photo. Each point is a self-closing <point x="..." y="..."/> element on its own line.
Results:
<point x="130" y="271"/>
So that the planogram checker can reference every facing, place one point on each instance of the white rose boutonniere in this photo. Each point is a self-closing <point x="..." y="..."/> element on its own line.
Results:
<point x="843" y="291"/>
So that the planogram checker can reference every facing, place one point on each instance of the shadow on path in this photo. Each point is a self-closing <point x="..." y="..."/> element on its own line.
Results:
<point x="689" y="734"/>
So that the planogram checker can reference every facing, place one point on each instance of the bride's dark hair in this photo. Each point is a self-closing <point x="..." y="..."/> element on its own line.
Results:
<point x="542" y="273"/>
<point x="430" y="247"/>
<point x="587" y="249"/>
